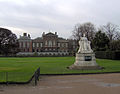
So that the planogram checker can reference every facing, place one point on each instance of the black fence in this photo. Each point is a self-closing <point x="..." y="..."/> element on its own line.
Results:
<point x="36" y="75"/>
<point x="19" y="77"/>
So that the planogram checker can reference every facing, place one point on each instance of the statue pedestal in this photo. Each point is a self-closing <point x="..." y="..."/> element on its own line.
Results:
<point x="85" y="61"/>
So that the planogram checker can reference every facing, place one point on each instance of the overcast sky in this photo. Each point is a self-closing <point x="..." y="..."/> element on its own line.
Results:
<point x="37" y="16"/>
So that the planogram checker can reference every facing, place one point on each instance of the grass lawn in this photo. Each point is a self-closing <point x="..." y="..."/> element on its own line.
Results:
<point x="21" y="69"/>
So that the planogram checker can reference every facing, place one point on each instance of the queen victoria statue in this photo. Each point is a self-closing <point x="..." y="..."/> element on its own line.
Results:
<point x="84" y="45"/>
<point x="85" y="57"/>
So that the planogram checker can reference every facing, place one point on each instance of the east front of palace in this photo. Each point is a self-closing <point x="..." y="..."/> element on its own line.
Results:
<point x="49" y="44"/>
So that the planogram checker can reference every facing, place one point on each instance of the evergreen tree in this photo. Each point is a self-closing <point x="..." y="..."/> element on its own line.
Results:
<point x="100" y="41"/>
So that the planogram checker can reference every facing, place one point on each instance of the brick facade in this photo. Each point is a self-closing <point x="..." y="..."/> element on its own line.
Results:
<point x="48" y="43"/>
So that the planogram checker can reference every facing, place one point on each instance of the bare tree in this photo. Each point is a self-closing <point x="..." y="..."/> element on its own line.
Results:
<point x="87" y="28"/>
<point x="117" y="36"/>
<point x="111" y="31"/>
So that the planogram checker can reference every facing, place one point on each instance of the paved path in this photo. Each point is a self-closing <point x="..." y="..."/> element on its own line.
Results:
<point x="72" y="84"/>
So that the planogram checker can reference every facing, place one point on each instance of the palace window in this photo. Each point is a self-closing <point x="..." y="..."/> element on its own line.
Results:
<point x="66" y="45"/>
<point x="62" y="44"/>
<point x="50" y="43"/>
<point x="20" y="45"/>
<point x="73" y="43"/>
<point x="54" y="42"/>
<point x="23" y="44"/>
<point x="28" y="44"/>
<point x="46" y="42"/>
<point x="41" y="44"/>
<point x="58" y="44"/>
<point x="37" y="44"/>
<point x="33" y="45"/>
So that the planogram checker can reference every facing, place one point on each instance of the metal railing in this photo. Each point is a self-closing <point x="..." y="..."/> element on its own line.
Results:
<point x="19" y="77"/>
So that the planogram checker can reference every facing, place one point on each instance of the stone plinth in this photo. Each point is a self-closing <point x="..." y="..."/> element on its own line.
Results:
<point x="85" y="61"/>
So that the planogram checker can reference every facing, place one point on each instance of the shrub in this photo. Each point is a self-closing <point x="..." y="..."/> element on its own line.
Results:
<point x="115" y="55"/>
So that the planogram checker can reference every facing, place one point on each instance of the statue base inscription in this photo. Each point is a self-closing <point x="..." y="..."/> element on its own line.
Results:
<point x="85" y="61"/>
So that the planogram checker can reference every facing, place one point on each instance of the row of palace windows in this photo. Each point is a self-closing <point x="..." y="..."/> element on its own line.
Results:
<point x="50" y="45"/>
<point x="37" y="45"/>
<point x="63" y="45"/>
<point x="27" y="45"/>
<point x="24" y="44"/>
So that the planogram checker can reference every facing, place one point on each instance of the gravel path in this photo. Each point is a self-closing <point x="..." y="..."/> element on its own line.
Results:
<point x="70" y="84"/>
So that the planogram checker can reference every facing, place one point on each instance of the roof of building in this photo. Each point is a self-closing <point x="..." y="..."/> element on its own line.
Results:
<point x="24" y="38"/>
<point x="62" y="40"/>
<point x="38" y="39"/>
<point x="50" y="34"/>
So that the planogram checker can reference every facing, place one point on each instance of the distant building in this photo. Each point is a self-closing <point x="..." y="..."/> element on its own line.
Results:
<point x="49" y="44"/>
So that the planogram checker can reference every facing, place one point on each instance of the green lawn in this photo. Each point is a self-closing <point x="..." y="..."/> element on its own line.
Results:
<point x="21" y="69"/>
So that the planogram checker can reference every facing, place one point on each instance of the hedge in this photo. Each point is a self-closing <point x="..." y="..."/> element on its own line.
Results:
<point x="114" y="55"/>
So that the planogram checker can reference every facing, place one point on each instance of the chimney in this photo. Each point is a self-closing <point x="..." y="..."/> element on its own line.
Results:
<point x="29" y="35"/>
<point x="24" y="34"/>
<point x="55" y="33"/>
<point x="43" y="33"/>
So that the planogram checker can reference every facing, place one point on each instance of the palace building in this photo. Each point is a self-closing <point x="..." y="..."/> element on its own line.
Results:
<point x="48" y="44"/>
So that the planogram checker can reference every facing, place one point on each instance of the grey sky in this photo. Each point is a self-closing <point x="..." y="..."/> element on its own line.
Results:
<point x="37" y="16"/>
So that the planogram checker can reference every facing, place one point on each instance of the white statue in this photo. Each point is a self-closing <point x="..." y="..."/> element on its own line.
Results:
<point x="84" y="45"/>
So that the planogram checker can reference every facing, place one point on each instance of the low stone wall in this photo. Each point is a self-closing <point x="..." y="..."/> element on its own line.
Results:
<point x="42" y="54"/>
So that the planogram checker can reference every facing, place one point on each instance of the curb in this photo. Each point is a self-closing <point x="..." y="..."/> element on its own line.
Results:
<point x="78" y="74"/>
